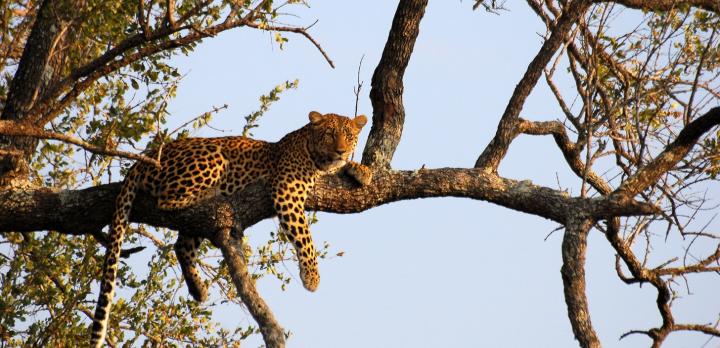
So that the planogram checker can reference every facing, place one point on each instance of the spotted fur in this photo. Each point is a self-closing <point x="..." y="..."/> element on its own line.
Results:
<point x="195" y="168"/>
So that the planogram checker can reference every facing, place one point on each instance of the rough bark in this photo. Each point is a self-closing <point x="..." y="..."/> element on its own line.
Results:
<point x="233" y="255"/>
<point x="89" y="210"/>
<point x="574" y="247"/>
<point x="387" y="85"/>
<point x="25" y="87"/>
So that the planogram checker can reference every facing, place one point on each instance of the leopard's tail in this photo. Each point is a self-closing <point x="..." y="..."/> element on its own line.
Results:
<point x="120" y="222"/>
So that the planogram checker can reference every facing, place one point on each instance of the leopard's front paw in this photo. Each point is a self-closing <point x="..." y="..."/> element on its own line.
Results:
<point x="362" y="174"/>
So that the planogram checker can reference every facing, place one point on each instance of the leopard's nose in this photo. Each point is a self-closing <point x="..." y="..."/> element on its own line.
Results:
<point x="341" y="146"/>
<point x="341" y="149"/>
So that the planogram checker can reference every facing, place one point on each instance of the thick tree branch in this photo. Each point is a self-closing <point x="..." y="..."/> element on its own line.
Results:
<point x="387" y="85"/>
<point x="507" y="130"/>
<point x="66" y="211"/>
<point x="574" y="246"/>
<point x="232" y="251"/>
<point x="26" y="86"/>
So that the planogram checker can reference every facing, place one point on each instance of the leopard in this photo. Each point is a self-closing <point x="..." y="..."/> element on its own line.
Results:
<point x="193" y="169"/>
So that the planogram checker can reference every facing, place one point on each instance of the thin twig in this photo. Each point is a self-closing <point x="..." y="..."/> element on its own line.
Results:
<point x="357" y="89"/>
<point x="301" y="31"/>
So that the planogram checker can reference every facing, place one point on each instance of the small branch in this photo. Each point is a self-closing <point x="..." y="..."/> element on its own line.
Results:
<point x="144" y="27"/>
<point x="301" y="31"/>
<point x="22" y="129"/>
<point x="15" y="153"/>
<point x="214" y="110"/>
<point x="102" y="238"/>
<point x="169" y="14"/>
<point x="635" y="332"/>
<point x="708" y="330"/>
<point x="568" y="149"/>
<point x="673" y="153"/>
<point x="702" y="266"/>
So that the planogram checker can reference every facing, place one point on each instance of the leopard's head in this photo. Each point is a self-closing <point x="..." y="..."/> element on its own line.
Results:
<point x="333" y="138"/>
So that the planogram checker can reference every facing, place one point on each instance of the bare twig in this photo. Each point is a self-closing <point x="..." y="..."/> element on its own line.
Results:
<point x="358" y="88"/>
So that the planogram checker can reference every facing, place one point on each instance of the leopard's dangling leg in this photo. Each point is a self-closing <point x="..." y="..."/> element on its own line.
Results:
<point x="290" y="208"/>
<point x="186" y="250"/>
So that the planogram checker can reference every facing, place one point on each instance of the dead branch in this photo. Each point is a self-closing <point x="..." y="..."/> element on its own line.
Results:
<point x="301" y="31"/>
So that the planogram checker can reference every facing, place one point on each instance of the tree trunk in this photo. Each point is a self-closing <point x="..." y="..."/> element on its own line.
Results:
<point x="31" y="76"/>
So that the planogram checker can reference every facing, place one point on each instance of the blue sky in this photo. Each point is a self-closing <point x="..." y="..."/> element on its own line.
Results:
<point x="424" y="273"/>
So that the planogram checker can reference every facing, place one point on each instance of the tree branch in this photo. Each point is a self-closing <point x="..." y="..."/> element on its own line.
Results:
<point x="574" y="246"/>
<point x="233" y="255"/>
<point x="301" y="31"/>
<point x="507" y="130"/>
<point x="387" y="85"/>
<point x="673" y="153"/>
<point x="10" y="128"/>
<point x="26" y="86"/>
<point x="65" y="211"/>
<point x="568" y="149"/>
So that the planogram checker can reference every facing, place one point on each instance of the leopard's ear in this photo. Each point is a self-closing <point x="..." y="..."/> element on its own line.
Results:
<point x="315" y="117"/>
<point x="360" y="121"/>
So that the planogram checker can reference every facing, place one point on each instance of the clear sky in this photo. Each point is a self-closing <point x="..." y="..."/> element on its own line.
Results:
<point x="425" y="273"/>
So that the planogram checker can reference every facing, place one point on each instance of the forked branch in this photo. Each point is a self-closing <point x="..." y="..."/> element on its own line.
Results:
<point x="507" y="129"/>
